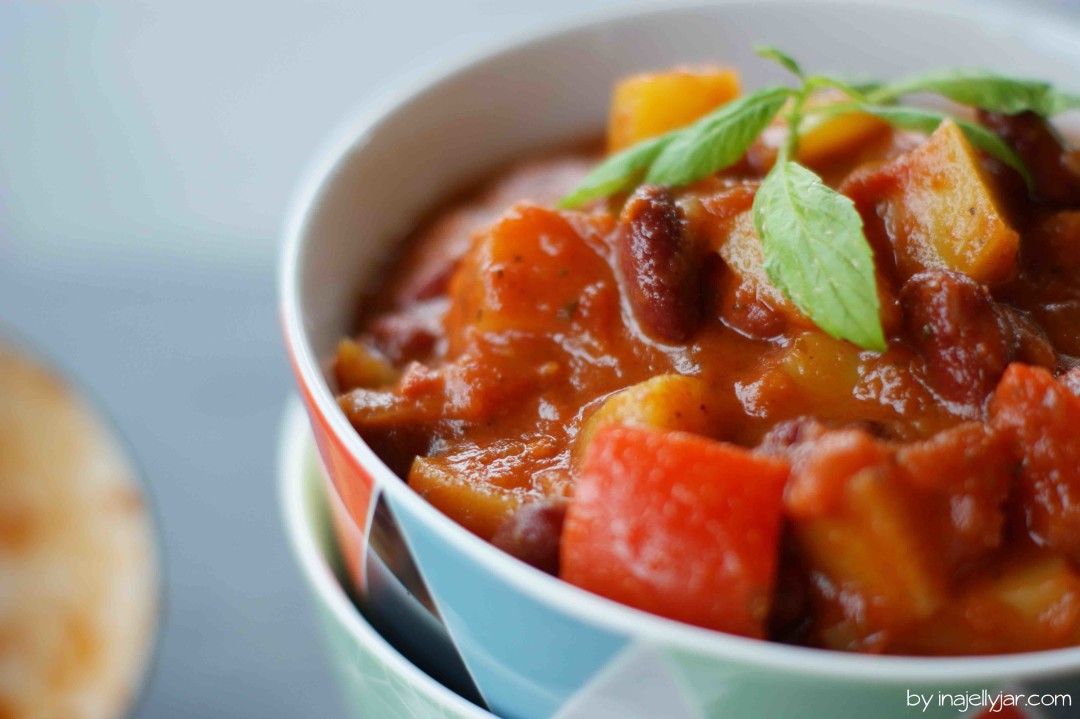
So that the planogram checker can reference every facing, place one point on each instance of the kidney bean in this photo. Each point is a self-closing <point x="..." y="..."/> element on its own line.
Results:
<point x="1029" y="341"/>
<point x="410" y="334"/>
<point x="1057" y="180"/>
<point x="953" y="323"/>
<point x="660" y="265"/>
<point x="532" y="533"/>
<point x="789" y="616"/>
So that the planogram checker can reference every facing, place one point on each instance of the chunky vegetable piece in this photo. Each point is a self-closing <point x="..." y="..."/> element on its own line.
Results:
<point x="832" y="139"/>
<point x="859" y="528"/>
<point x="1044" y="417"/>
<point x="527" y="273"/>
<point x="740" y="248"/>
<point x="650" y="104"/>
<point x="450" y="483"/>
<point x="677" y="525"/>
<point x="882" y="530"/>
<point x="938" y="208"/>
<point x="667" y="401"/>
<point x="358" y="366"/>
<point x="827" y="139"/>
<point x="817" y="387"/>
<point x="1031" y="603"/>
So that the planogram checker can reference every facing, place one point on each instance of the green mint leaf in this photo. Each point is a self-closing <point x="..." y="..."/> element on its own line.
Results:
<point x="816" y="82"/>
<point x="717" y="140"/>
<point x="910" y="118"/>
<point x="779" y="57"/>
<point x="618" y="173"/>
<point x="863" y="85"/>
<point x="978" y="88"/>
<point x="816" y="254"/>
<point x="1063" y="102"/>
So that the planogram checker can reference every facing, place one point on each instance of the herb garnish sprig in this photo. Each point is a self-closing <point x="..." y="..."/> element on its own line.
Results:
<point x="812" y="237"/>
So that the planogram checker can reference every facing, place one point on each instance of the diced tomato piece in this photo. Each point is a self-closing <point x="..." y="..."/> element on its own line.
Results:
<point x="677" y="525"/>
<point x="1044" y="417"/>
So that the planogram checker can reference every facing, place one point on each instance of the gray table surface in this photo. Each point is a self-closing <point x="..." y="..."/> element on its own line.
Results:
<point x="147" y="153"/>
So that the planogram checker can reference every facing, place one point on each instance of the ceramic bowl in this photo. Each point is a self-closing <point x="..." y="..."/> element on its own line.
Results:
<point x="524" y="643"/>
<point x="375" y="679"/>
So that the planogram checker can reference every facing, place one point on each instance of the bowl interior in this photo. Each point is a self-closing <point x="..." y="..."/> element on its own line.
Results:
<point x="385" y="170"/>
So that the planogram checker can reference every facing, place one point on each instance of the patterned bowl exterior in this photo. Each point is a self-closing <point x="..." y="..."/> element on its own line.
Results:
<point x="375" y="679"/>
<point x="525" y="644"/>
<point x="626" y="678"/>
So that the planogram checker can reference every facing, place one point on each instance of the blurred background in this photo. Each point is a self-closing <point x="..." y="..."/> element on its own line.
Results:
<point x="147" y="157"/>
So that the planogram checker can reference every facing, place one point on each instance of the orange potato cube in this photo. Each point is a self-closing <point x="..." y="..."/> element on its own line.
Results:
<point x="827" y="139"/>
<point x="860" y="529"/>
<point x="358" y="366"/>
<point x="824" y="369"/>
<point x="1029" y="603"/>
<point x="667" y="401"/>
<point x="477" y="485"/>
<point x="939" y="209"/>
<point x="738" y="245"/>
<point x="741" y="251"/>
<point x="651" y="104"/>
<point x="534" y="272"/>
<point x="478" y="506"/>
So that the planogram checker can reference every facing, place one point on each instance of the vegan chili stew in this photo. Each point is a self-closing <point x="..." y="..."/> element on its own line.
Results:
<point x="796" y="364"/>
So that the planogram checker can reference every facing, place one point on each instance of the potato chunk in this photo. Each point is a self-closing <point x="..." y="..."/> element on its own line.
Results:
<point x="358" y="366"/>
<point x="886" y="529"/>
<point x="533" y="272"/>
<point x="938" y="209"/>
<point x="824" y="140"/>
<point x="479" y="507"/>
<point x="1030" y="603"/>
<point x="480" y="486"/>
<point x="651" y="104"/>
<point x="741" y="251"/>
<point x="858" y="528"/>
<point x="666" y="401"/>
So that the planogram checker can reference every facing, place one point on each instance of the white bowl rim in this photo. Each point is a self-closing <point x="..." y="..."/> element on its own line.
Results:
<point x="588" y="607"/>
<point x="293" y="446"/>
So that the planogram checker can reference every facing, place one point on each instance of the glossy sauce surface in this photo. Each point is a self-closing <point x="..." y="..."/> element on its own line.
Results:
<point x="916" y="506"/>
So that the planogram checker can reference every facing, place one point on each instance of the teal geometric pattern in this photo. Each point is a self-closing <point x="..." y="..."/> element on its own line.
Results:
<point x="372" y="687"/>
<point x="528" y="660"/>
<point x="531" y="662"/>
<point x="720" y="690"/>
<point x="372" y="690"/>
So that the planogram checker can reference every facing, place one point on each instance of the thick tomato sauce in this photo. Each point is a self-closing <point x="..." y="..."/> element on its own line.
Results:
<point x="932" y="499"/>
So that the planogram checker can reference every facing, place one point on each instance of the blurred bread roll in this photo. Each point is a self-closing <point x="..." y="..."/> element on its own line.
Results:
<point x="78" y="561"/>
